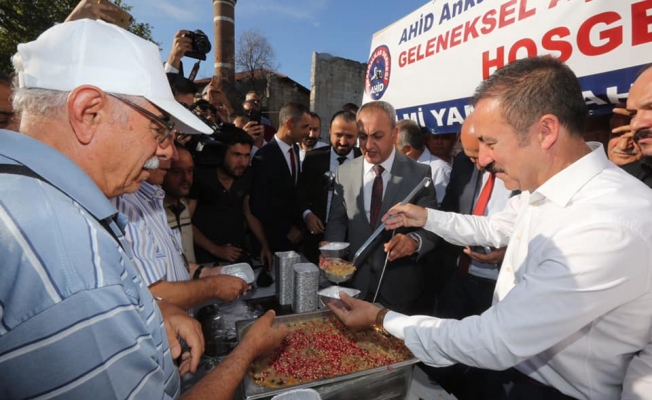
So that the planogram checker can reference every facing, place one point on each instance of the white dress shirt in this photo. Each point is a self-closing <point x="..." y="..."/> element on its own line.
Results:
<point x="441" y="172"/>
<point x="285" y="149"/>
<point x="573" y="301"/>
<point x="368" y="176"/>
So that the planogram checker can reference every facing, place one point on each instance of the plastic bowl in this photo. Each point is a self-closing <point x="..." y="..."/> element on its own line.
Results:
<point x="336" y="277"/>
<point x="334" y="250"/>
<point x="332" y="295"/>
<point x="241" y="270"/>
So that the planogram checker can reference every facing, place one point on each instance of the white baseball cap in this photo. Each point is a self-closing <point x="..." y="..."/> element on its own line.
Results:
<point x="88" y="52"/>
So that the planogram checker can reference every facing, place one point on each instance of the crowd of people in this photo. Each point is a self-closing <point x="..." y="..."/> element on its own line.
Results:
<point x="125" y="189"/>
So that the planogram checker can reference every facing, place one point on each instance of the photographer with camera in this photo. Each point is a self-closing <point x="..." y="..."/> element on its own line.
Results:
<point x="254" y="126"/>
<point x="254" y="101"/>
<point x="192" y="44"/>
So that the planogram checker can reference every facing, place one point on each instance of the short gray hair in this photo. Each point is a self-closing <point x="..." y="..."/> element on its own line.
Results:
<point x="409" y="133"/>
<point x="383" y="106"/>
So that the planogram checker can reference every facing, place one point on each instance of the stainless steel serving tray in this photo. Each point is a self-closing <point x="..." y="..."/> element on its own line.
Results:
<point x="252" y="390"/>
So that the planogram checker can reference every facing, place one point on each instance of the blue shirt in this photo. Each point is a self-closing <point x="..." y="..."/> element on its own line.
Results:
<point x="158" y="252"/>
<point x="76" y="321"/>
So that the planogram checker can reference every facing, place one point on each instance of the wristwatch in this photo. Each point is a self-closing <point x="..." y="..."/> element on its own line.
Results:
<point x="198" y="272"/>
<point x="378" y="325"/>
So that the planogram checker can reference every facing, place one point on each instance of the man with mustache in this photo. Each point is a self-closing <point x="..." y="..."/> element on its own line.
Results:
<point x="621" y="148"/>
<point x="158" y="252"/>
<point x="638" y="381"/>
<point x="219" y="203"/>
<point x="365" y="188"/>
<point x="77" y="320"/>
<point x="641" y="125"/>
<point x="311" y="141"/>
<point x="176" y="184"/>
<point x="573" y="300"/>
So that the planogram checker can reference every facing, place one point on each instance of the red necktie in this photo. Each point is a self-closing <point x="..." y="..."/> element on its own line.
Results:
<point x="293" y="164"/>
<point x="479" y="209"/>
<point x="376" y="196"/>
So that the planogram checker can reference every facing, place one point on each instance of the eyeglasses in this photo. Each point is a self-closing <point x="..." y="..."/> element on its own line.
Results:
<point x="168" y="126"/>
<point x="5" y="118"/>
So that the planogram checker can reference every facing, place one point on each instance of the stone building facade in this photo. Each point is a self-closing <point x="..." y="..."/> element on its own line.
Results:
<point x="334" y="82"/>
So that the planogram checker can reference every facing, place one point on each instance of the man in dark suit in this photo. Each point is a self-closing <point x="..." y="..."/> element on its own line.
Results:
<point x="315" y="189"/>
<point x="365" y="189"/>
<point x="470" y="290"/>
<point x="276" y="170"/>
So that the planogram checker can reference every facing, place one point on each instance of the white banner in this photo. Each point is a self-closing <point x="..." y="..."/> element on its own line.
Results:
<point x="429" y="63"/>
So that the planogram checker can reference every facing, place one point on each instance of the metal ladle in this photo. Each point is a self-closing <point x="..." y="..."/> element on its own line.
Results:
<point x="425" y="182"/>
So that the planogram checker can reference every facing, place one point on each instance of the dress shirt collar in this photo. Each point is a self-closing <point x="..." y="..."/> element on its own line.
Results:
<point x="387" y="164"/>
<point x="561" y="188"/>
<point x="282" y="145"/>
<point x="426" y="156"/>
<point x="335" y="156"/>
<point x="151" y="191"/>
<point x="66" y="176"/>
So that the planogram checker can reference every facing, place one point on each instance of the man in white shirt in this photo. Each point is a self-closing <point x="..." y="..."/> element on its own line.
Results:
<point x="573" y="300"/>
<point x="410" y="143"/>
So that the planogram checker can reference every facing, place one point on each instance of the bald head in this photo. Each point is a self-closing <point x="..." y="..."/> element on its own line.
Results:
<point x="469" y="140"/>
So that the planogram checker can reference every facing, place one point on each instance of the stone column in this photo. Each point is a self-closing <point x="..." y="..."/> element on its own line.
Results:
<point x="224" y="43"/>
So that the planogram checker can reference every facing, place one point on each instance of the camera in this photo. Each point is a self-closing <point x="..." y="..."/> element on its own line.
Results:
<point x="200" y="45"/>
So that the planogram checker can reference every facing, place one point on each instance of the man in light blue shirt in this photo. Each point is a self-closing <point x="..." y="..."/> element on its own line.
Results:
<point x="76" y="320"/>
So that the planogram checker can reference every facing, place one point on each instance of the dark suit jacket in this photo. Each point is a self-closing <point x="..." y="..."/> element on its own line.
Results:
<point x="641" y="170"/>
<point x="403" y="280"/>
<point x="312" y="193"/>
<point x="273" y="195"/>
<point x="461" y="188"/>
<point x="459" y="198"/>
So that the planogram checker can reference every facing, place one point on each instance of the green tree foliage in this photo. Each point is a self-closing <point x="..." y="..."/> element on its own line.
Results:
<point x="24" y="21"/>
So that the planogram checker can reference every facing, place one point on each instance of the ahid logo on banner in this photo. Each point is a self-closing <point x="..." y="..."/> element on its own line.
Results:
<point x="378" y="71"/>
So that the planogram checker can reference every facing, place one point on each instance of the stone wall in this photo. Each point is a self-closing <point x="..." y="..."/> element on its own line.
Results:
<point x="282" y="90"/>
<point x="334" y="82"/>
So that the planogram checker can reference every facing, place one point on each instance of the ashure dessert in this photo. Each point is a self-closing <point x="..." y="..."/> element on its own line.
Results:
<point x="323" y="348"/>
<point x="337" y="267"/>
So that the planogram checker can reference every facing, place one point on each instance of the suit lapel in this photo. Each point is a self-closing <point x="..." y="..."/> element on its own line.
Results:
<point x="357" y="186"/>
<point x="280" y="160"/>
<point x="468" y="193"/>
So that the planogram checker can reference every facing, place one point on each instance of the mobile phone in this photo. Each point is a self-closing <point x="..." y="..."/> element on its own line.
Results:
<point x="122" y="18"/>
<point x="256" y="116"/>
<point x="480" y="249"/>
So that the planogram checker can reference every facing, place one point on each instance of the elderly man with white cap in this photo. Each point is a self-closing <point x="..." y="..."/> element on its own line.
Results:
<point x="76" y="321"/>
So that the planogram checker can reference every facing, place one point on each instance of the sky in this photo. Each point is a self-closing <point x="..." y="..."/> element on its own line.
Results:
<point x="294" y="28"/>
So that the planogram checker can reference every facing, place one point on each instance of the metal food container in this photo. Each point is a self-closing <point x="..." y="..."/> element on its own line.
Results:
<point x="400" y="372"/>
<point x="283" y="263"/>
<point x="335" y="250"/>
